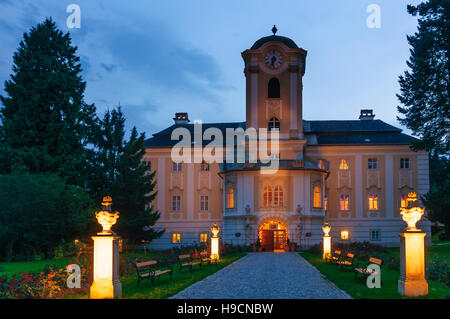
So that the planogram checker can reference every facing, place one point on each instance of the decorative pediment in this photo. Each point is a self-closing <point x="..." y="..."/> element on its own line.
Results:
<point x="373" y="179"/>
<point x="405" y="178"/>
<point x="344" y="179"/>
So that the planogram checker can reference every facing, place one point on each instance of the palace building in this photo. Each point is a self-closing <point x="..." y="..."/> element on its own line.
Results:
<point x="355" y="174"/>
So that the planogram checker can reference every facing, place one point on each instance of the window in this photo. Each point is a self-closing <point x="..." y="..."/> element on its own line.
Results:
<point x="325" y="202"/>
<point x="372" y="163"/>
<point x="204" y="203"/>
<point x="343" y="165"/>
<point x="177" y="167"/>
<point x="322" y="164"/>
<point x="273" y="124"/>
<point x="204" y="167"/>
<point x="344" y="200"/>
<point x="203" y="238"/>
<point x="267" y="196"/>
<point x="344" y="234"/>
<point x="375" y="235"/>
<point x="176" y="238"/>
<point x="278" y="196"/>
<point x="273" y="89"/>
<point x="404" y="163"/>
<point x="176" y="203"/>
<point x="230" y="197"/>
<point x="373" y="202"/>
<point x="317" y="200"/>
<point x="404" y="201"/>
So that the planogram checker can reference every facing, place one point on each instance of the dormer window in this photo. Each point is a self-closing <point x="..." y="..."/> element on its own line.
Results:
<point x="273" y="89"/>
<point x="274" y="124"/>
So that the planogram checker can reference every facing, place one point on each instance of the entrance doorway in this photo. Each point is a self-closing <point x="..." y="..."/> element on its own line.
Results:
<point x="273" y="235"/>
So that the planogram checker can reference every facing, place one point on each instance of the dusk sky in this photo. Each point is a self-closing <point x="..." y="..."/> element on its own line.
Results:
<point x="156" y="58"/>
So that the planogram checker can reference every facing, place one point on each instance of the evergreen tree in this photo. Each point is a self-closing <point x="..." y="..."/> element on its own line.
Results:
<point x="425" y="95"/>
<point x="45" y="122"/>
<point x="119" y="171"/>
<point x="425" y="88"/>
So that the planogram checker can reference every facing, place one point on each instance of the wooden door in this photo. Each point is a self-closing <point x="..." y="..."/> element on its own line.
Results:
<point x="279" y="239"/>
<point x="267" y="240"/>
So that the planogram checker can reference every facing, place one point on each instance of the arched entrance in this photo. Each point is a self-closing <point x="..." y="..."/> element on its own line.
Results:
<point x="272" y="234"/>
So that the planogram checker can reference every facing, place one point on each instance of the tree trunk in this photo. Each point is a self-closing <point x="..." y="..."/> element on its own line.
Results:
<point x="9" y="251"/>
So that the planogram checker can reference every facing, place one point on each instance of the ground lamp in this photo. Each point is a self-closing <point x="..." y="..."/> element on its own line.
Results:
<point x="215" y="242"/>
<point x="106" y="255"/>
<point x="412" y="281"/>
<point x="326" y="240"/>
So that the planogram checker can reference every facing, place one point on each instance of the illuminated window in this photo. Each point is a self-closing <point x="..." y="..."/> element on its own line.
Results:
<point x="404" y="163"/>
<point x="230" y="197"/>
<point x="273" y="89"/>
<point x="273" y="124"/>
<point x="176" y="203"/>
<point x="322" y="164"/>
<point x="325" y="202"/>
<point x="344" y="234"/>
<point x="403" y="201"/>
<point x="344" y="200"/>
<point x="278" y="196"/>
<point x="372" y="163"/>
<point x="373" y="202"/>
<point x="176" y="238"/>
<point x="317" y="197"/>
<point x="204" y="203"/>
<point x="375" y="235"/>
<point x="177" y="167"/>
<point x="203" y="238"/>
<point x="204" y="167"/>
<point x="267" y="196"/>
<point x="343" y="164"/>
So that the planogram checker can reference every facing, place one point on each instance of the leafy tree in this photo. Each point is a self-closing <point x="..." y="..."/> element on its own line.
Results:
<point x="45" y="123"/>
<point x="425" y="95"/>
<point x="39" y="212"/>
<point x="119" y="171"/>
<point x="425" y="88"/>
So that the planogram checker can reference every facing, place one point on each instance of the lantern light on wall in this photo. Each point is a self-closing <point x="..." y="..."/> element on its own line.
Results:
<point x="215" y="242"/>
<point x="326" y="240"/>
<point x="412" y="281"/>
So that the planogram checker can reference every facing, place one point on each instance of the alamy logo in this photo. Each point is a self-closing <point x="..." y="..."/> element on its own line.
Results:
<point x="74" y="279"/>
<point x="374" y="19"/>
<point x="374" y="279"/>
<point x="74" y="19"/>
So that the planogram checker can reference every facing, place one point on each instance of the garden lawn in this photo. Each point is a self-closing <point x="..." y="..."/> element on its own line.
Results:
<point x="13" y="268"/>
<point x="357" y="288"/>
<point x="164" y="287"/>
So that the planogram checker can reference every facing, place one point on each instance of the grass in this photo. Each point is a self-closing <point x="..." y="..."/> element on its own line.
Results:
<point x="357" y="288"/>
<point x="12" y="268"/>
<point x="164" y="287"/>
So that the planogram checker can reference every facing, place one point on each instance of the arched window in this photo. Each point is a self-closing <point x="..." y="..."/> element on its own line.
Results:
<point x="373" y="202"/>
<point x="267" y="196"/>
<point x="344" y="201"/>
<point x="273" y="89"/>
<point x="278" y="196"/>
<point x="273" y="124"/>
<point x="230" y="197"/>
<point x="317" y="197"/>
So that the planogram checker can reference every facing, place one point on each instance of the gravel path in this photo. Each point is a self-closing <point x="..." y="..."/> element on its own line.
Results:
<point x="265" y="276"/>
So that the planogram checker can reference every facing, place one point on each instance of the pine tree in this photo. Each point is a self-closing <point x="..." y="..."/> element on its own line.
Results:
<point x="119" y="171"/>
<point x="45" y="122"/>
<point x="425" y="88"/>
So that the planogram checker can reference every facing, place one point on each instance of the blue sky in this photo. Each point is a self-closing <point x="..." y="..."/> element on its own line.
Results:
<point x="156" y="58"/>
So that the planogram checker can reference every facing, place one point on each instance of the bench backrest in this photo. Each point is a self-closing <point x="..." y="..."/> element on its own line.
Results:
<point x="184" y="256"/>
<point x="350" y="255"/>
<point x="204" y="253"/>
<point x="145" y="264"/>
<point x="375" y="261"/>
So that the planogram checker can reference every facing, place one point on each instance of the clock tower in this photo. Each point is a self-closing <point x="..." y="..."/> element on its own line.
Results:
<point x="274" y="67"/>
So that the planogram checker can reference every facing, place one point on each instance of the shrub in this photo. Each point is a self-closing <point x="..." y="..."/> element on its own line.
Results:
<point x="438" y="270"/>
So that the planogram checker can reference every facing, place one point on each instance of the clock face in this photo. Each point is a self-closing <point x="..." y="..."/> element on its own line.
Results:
<point x="274" y="59"/>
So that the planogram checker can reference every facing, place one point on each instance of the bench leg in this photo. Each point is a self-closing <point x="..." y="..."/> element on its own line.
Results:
<point x="139" y="281"/>
<point x="153" y="280"/>
<point x="170" y="275"/>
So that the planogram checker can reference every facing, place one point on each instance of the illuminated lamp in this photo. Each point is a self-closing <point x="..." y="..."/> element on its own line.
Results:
<point x="106" y="282"/>
<point x="412" y="281"/>
<point x="215" y="242"/>
<point x="326" y="241"/>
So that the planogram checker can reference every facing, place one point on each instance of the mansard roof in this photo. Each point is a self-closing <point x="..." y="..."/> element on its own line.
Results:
<point x="346" y="132"/>
<point x="288" y="42"/>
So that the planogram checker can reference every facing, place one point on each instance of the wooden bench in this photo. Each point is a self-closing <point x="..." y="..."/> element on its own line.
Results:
<point x="347" y="261"/>
<point x="335" y="256"/>
<point x="149" y="270"/>
<point x="205" y="257"/>
<point x="365" y="272"/>
<point x="188" y="261"/>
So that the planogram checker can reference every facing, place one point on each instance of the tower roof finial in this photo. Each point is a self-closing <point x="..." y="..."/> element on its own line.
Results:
<point x="274" y="29"/>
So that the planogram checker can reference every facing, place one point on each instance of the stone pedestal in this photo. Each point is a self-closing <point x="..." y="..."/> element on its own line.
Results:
<point x="215" y="248"/>
<point x="326" y="246"/>
<point x="412" y="281"/>
<point x="106" y="268"/>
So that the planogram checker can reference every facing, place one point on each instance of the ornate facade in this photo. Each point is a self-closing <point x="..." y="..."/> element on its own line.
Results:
<point x="355" y="174"/>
